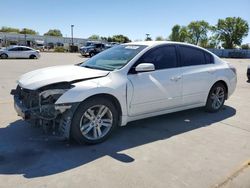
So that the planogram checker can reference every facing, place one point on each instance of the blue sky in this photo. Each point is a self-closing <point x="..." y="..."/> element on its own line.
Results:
<point x="133" y="18"/>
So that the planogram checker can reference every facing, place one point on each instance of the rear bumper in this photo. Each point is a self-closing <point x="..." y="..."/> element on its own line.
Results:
<point x="233" y="83"/>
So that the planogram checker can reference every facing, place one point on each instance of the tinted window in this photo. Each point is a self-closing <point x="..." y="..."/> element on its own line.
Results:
<point x="14" y="49"/>
<point x="209" y="58"/>
<point x="192" y="56"/>
<point x="26" y="49"/>
<point x="98" y="45"/>
<point x="162" y="57"/>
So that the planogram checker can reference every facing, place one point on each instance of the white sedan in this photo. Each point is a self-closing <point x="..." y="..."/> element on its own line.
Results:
<point x="19" y="52"/>
<point x="122" y="84"/>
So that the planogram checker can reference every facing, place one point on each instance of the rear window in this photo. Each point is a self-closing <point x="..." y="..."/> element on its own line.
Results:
<point x="192" y="56"/>
<point x="209" y="58"/>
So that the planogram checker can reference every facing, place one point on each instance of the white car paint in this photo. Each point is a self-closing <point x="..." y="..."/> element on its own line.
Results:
<point x="19" y="52"/>
<point x="140" y="95"/>
<point x="46" y="76"/>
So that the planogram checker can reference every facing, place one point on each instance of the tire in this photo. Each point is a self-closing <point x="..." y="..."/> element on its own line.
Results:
<point x="87" y="127"/>
<point x="4" y="56"/>
<point x="32" y="57"/>
<point x="91" y="54"/>
<point x="216" y="97"/>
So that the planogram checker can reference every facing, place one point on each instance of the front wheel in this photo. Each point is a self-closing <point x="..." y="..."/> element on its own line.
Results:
<point x="216" y="98"/>
<point x="94" y="121"/>
<point x="32" y="57"/>
<point x="91" y="54"/>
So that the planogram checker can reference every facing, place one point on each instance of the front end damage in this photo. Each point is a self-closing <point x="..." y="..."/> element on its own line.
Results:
<point x="39" y="108"/>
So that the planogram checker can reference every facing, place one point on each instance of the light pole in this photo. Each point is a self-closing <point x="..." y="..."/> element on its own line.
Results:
<point x="72" y="39"/>
<point x="25" y="38"/>
<point x="147" y="36"/>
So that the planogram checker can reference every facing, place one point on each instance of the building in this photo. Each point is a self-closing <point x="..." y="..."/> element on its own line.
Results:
<point x="7" y="39"/>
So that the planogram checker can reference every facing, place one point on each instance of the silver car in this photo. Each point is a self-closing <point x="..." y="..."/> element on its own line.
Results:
<point x="19" y="52"/>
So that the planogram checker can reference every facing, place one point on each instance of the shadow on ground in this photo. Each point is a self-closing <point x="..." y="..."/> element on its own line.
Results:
<point x="25" y="150"/>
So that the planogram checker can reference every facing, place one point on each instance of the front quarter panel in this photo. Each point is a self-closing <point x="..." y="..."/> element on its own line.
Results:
<point x="112" y="84"/>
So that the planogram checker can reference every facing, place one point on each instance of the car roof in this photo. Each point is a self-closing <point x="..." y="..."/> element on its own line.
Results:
<point x="20" y="46"/>
<point x="157" y="43"/>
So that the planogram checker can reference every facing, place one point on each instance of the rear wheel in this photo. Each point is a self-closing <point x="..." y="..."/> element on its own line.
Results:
<point x="4" y="56"/>
<point x="216" y="97"/>
<point x="94" y="121"/>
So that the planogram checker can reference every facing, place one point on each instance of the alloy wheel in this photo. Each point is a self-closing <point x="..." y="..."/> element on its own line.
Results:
<point x="217" y="97"/>
<point x="96" y="122"/>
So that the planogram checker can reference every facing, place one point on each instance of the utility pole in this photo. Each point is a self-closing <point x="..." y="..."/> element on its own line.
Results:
<point x="25" y="38"/>
<point x="72" y="37"/>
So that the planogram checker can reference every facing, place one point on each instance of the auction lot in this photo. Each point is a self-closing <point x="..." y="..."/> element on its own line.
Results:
<point x="191" y="149"/>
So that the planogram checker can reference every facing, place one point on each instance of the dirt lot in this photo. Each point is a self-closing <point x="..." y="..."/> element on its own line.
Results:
<point x="191" y="149"/>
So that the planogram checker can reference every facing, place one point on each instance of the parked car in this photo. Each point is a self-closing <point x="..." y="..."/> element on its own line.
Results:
<point x="248" y="72"/>
<point x="92" y="49"/>
<point x="19" y="52"/>
<point x="125" y="83"/>
<point x="111" y="44"/>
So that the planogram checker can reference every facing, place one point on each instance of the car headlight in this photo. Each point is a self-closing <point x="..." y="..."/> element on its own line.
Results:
<point x="50" y="94"/>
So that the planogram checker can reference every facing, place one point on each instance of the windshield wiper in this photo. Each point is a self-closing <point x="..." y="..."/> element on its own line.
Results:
<point x="99" y="68"/>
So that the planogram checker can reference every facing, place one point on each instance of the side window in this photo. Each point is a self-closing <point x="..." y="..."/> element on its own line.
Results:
<point x="26" y="49"/>
<point x="192" y="56"/>
<point x="162" y="57"/>
<point x="14" y="49"/>
<point x="98" y="45"/>
<point x="209" y="58"/>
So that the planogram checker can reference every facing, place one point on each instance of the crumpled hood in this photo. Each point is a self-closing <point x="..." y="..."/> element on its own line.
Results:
<point x="46" y="76"/>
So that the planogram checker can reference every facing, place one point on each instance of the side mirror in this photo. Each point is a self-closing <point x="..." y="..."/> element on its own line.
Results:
<point x="145" y="67"/>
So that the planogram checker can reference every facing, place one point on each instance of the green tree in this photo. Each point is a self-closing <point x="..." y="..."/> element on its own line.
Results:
<point x="231" y="31"/>
<point x="28" y="31"/>
<point x="197" y="31"/>
<point x="110" y="39"/>
<point x="9" y="30"/>
<point x="175" y="35"/>
<point x="245" y="46"/>
<point x="94" y="37"/>
<point x="104" y="38"/>
<point x="53" y="32"/>
<point x="183" y="34"/>
<point x="120" y="39"/>
<point x="159" y="38"/>
<point x="148" y="39"/>
<point x="179" y="34"/>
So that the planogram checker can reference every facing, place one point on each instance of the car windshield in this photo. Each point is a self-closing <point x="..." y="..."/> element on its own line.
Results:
<point x="113" y="58"/>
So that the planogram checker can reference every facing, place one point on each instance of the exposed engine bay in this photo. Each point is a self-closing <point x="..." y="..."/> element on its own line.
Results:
<point x="39" y="108"/>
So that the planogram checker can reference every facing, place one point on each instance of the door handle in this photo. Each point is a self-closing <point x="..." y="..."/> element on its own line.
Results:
<point x="175" y="78"/>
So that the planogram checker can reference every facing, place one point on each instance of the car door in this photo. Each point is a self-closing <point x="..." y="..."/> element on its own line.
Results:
<point x="198" y="74"/>
<point x="156" y="90"/>
<point x="25" y="52"/>
<point x="14" y="52"/>
<point x="98" y="48"/>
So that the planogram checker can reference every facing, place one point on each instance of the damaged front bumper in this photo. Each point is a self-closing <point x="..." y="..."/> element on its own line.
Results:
<point x="54" y="118"/>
